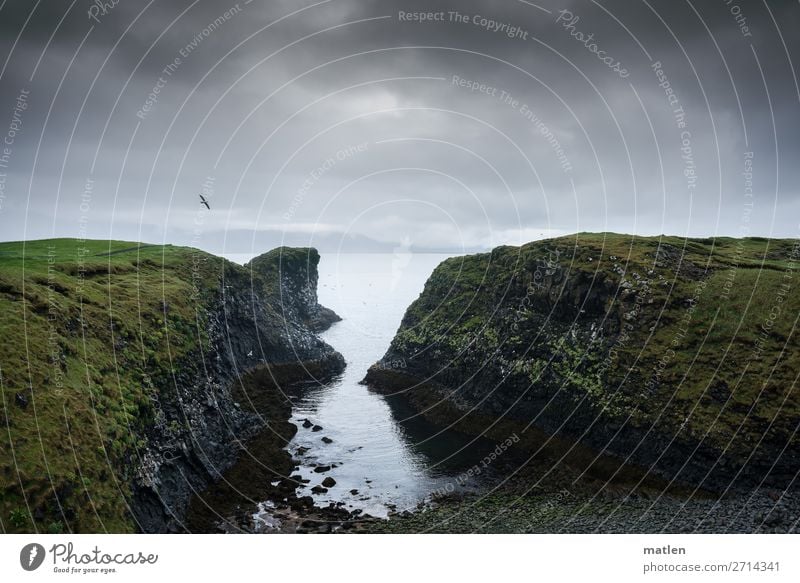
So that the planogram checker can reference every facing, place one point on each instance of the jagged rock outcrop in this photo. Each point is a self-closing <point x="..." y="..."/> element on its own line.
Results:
<point x="265" y="315"/>
<point x="672" y="358"/>
<point x="298" y="276"/>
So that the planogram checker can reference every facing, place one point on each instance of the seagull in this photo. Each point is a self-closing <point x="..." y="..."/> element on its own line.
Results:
<point x="204" y="201"/>
<point x="250" y="354"/>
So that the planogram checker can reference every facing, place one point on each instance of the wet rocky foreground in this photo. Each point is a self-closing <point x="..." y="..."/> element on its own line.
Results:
<point x="265" y="493"/>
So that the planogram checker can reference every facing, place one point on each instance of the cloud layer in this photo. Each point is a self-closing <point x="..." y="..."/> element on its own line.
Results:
<point x="455" y="125"/>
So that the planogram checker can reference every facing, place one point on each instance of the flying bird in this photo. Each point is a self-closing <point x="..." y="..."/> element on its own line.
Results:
<point x="204" y="201"/>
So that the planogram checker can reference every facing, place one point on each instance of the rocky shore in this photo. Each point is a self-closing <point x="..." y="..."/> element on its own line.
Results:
<point x="258" y="492"/>
<point x="638" y="384"/>
<point x="561" y="511"/>
<point x="262" y="334"/>
<point x="546" y="496"/>
<point x="136" y="375"/>
<point x="645" y="362"/>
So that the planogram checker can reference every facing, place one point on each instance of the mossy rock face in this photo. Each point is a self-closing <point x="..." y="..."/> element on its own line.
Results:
<point x="292" y="275"/>
<point x="119" y="372"/>
<point x="676" y="355"/>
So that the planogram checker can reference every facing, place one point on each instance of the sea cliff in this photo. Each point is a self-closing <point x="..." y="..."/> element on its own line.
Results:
<point x="134" y="375"/>
<point x="633" y="358"/>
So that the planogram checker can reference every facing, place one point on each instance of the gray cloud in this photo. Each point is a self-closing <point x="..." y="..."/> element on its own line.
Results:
<point x="275" y="105"/>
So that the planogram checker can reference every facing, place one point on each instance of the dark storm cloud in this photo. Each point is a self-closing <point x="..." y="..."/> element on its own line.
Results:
<point x="344" y="117"/>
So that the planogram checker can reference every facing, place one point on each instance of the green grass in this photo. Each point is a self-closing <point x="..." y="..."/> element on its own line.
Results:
<point x="724" y="372"/>
<point x="90" y="330"/>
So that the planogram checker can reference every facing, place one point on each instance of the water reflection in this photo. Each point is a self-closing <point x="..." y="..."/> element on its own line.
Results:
<point x="378" y="453"/>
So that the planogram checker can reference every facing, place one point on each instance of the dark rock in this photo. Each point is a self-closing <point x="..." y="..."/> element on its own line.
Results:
<point x="324" y="319"/>
<point x="238" y="318"/>
<point x="307" y="423"/>
<point x="316" y="428"/>
<point x="563" y="347"/>
<point x="298" y="275"/>
<point x="354" y="492"/>
<point x="326" y="439"/>
<point x="319" y="489"/>
<point x="321" y="469"/>
<point x="774" y="517"/>
<point x="329" y="482"/>
<point x="301" y="504"/>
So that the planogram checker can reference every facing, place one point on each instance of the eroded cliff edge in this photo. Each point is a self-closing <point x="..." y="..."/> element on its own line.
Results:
<point x="675" y="356"/>
<point x="262" y="324"/>
<point x="134" y="375"/>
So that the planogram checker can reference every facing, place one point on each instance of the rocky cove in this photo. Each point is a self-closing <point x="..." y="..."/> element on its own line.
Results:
<point x="351" y="457"/>
<point x="154" y="366"/>
<point x="262" y="335"/>
<point x="651" y="381"/>
<point x="544" y="350"/>
<point x="593" y="383"/>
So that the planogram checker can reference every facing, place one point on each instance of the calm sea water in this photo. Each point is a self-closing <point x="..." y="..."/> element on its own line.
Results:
<point x="392" y="457"/>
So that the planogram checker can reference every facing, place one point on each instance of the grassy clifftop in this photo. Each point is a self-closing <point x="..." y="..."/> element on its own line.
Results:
<point x="72" y="315"/>
<point x="111" y="373"/>
<point x="680" y="355"/>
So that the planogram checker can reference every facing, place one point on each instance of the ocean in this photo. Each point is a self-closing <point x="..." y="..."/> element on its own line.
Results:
<point x="384" y="457"/>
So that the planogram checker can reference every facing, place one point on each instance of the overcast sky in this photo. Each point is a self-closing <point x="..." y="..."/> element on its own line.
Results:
<point x="346" y="122"/>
